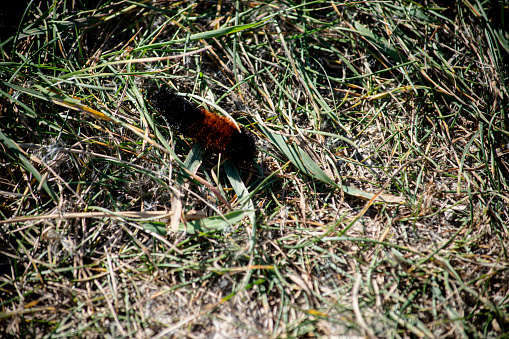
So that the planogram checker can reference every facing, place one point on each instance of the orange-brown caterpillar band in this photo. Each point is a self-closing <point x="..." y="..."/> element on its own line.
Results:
<point x="214" y="132"/>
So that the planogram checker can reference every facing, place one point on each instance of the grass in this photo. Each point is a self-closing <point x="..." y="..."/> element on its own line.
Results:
<point x="377" y="205"/>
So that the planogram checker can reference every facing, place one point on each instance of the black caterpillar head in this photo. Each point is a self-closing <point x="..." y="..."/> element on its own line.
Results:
<point x="242" y="147"/>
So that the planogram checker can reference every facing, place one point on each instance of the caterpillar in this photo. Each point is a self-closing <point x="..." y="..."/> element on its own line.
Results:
<point x="216" y="133"/>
